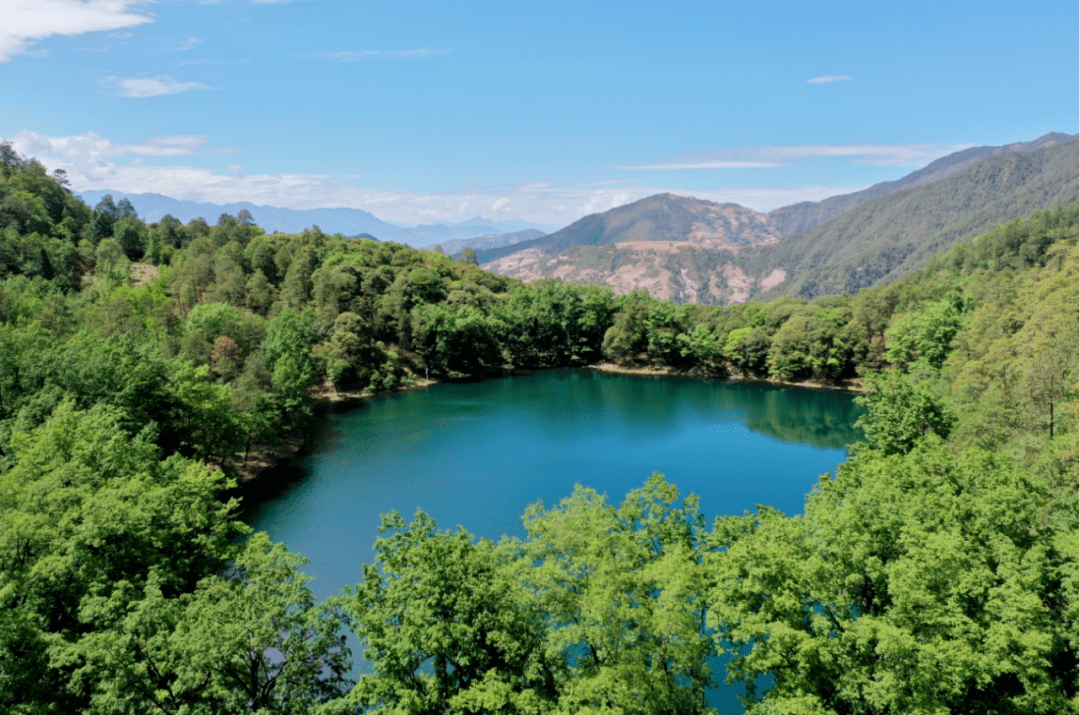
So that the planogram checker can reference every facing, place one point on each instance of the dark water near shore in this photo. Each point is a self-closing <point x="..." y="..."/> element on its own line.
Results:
<point x="478" y="454"/>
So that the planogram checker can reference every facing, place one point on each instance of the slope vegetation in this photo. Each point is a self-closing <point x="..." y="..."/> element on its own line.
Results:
<point x="881" y="240"/>
<point x="808" y="214"/>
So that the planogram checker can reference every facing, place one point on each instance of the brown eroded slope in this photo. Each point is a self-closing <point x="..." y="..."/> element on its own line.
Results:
<point x="670" y="270"/>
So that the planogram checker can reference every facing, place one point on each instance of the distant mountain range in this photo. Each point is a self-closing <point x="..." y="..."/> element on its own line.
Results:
<point x="492" y="240"/>
<point x="350" y="222"/>
<point x="688" y="250"/>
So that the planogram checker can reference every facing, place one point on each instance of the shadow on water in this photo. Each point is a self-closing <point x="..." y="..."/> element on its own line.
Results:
<point x="276" y="482"/>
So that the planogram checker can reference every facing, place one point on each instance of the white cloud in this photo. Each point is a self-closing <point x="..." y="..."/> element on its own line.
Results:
<point x="188" y="43"/>
<point x="140" y="87"/>
<point x="606" y="182"/>
<point x="704" y="164"/>
<point x="883" y="154"/>
<point x="358" y="55"/>
<point x="93" y="162"/>
<point x="766" y="157"/>
<point x="27" y="21"/>
<point x="829" y="78"/>
<point x="83" y="152"/>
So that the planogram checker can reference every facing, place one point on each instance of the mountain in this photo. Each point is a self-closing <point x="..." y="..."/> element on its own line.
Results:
<point x="654" y="243"/>
<point x="808" y="214"/>
<point x="491" y="240"/>
<point x="885" y="238"/>
<point x="473" y="229"/>
<point x="350" y="222"/>
<point x="687" y="250"/>
<point x="663" y="217"/>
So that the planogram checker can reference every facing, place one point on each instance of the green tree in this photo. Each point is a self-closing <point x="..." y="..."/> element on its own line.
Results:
<point x="105" y="217"/>
<point x="628" y="336"/>
<point x="130" y="233"/>
<point x="229" y="278"/>
<point x="111" y="261"/>
<point x="899" y="413"/>
<point x="289" y="339"/>
<point x="747" y="348"/>
<point x="446" y="627"/>
<point x="253" y="641"/>
<point x="700" y="345"/>
<point x="88" y="515"/>
<point x="806" y="346"/>
<point x="623" y="595"/>
<point x="924" y="583"/>
<point x="296" y="289"/>
<point x="926" y="336"/>
<point x="204" y="414"/>
<point x="264" y="641"/>
<point x="464" y="340"/>
<point x="259" y="293"/>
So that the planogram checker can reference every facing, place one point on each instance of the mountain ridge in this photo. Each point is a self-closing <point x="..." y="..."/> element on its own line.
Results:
<point x="805" y="215"/>
<point x="873" y="244"/>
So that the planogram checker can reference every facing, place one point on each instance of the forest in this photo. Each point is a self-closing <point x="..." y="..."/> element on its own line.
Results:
<point x="142" y="364"/>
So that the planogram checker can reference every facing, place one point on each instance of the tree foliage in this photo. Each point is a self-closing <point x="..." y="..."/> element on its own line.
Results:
<point x="139" y="365"/>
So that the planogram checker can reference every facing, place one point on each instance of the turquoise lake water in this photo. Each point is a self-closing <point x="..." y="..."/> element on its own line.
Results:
<point x="478" y="454"/>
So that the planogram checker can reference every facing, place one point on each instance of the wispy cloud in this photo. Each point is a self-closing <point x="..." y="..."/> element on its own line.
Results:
<point x="605" y="182"/>
<point x="214" y="62"/>
<point x="188" y="43"/>
<point x="358" y="55"/>
<point x="829" y="78"/>
<point x="768" y="157"/>
<point x="140" y="87"/>
<point x="878" y="154"/>
<point x="703" y="164"/>
<point x="28" y="21"/>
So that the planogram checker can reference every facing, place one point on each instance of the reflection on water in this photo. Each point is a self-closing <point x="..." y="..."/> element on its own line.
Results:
<point x="808" y="417"/>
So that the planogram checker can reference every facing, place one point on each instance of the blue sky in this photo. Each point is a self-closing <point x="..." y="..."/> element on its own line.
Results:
<point x="423" y="111"/>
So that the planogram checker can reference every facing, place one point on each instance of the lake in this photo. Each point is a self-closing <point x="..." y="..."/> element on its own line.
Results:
<point x="478" y="454"/>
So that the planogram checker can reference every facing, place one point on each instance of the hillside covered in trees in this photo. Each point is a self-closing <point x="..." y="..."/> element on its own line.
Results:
<point x="140" y="364"/>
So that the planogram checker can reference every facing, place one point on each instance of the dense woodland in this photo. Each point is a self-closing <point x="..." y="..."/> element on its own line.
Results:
<point x="140" y="364"/>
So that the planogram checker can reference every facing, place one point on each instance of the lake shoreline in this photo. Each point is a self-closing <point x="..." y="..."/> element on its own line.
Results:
<point x="853" y="385"/>
<point x="294" y="442"/>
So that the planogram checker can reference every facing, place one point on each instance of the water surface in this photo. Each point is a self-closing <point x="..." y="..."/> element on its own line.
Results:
<point x="478" y="454"/>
